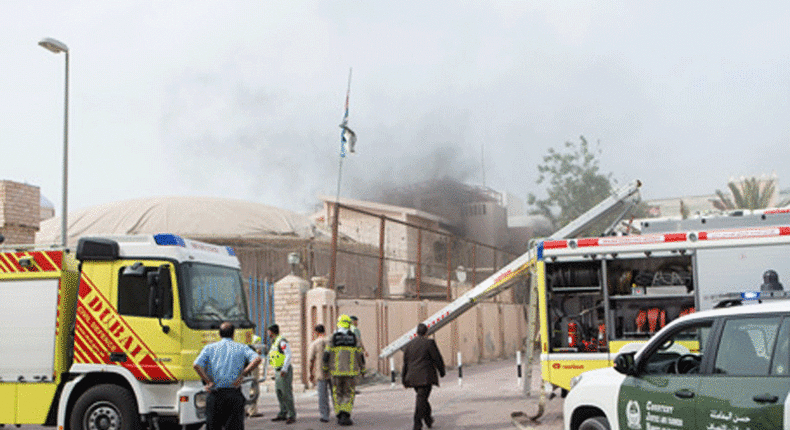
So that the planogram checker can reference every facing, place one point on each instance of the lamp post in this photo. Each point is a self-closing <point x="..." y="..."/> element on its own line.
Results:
<point x="57" y="47"/>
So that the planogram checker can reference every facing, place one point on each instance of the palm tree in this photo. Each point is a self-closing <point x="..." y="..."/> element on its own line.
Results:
<point x="748" y="193"/>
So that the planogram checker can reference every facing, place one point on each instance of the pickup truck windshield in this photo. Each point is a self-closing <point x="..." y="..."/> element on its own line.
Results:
<point x="212" y="294"/>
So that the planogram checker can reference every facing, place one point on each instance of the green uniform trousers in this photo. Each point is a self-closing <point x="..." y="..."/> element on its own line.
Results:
<point x="283" y="385"/>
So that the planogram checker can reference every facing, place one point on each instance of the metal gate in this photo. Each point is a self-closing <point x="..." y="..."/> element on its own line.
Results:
<point x="260" y="293"/>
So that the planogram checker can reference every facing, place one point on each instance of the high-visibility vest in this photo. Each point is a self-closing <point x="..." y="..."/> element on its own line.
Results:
<point x="276" y="355"/>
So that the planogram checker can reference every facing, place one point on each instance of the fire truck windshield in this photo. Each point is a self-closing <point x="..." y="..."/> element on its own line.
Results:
<point x="211" y="295"/>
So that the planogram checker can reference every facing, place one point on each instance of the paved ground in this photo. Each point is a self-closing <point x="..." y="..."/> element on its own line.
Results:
<point x="485" y="400"/>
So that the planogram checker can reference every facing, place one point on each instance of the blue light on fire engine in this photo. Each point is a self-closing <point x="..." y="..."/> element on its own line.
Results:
<point x="169" y="239"/>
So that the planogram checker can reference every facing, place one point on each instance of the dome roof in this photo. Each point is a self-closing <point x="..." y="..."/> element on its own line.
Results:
<point x="194" y="217"/>
<point x="45" y="202"/>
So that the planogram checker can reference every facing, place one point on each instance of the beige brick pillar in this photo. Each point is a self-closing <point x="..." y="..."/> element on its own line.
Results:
<point x="19" y="212"/>
<point x="290" y="315"/>
<point x="321" y="309"/>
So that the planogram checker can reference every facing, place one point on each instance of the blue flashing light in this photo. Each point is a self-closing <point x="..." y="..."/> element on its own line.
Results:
<point x="231" y="252"/>
<point x="540" y="250"/>
<point x="750" y="295"/>
<point x="169" y="239"/>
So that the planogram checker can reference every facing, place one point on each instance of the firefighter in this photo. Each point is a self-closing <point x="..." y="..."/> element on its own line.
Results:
<point x="344" y="360"/>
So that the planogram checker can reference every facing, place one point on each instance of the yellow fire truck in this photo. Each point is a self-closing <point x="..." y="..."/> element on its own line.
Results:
<point x="105" y="338"/>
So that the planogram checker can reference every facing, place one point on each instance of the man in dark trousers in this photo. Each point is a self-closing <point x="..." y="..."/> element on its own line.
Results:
<point x="222" y="366"/>
<point x="421" y="361"/>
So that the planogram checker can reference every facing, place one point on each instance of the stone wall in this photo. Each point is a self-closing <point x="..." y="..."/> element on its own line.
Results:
<point x="489" y="331"/>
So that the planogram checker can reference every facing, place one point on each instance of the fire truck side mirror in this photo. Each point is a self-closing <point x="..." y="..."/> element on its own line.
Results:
<point x="160" y="295"/>
<point x="624" y="363"/>
<point x="163" y="278"/>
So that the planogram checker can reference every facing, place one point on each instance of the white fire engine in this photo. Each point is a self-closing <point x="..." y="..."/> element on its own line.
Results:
<point x="595" y="295"/>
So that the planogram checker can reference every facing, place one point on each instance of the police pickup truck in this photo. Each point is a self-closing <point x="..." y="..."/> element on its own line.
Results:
<point x="723" y="369"/>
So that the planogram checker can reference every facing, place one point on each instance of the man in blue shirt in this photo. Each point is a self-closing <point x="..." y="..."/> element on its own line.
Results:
<point x="222" y="366"/>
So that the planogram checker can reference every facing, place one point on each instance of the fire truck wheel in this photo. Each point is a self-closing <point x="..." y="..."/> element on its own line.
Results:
<point x="595" y="423"/>
<point x="105" y="407"/>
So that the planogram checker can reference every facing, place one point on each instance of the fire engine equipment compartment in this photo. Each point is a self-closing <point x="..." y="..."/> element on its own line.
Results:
<point x="643" y="293"/>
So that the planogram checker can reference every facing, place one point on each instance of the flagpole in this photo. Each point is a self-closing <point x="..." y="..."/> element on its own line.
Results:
<point x="335" y="220"/>
<point x="339" y="174"/>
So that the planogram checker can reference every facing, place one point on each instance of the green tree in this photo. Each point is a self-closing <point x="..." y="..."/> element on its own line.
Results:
<point x="748" y="193"/>
<point x="574" y="183"/>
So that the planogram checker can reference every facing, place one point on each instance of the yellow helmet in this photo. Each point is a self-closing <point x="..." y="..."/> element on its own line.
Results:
<point x="344" y="321"/>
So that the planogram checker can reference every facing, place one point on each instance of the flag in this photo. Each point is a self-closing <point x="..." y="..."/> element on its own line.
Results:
<point x="348" y="139"/>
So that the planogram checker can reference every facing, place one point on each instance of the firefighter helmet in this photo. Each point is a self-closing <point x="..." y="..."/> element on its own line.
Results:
<point x="344" y="321"/>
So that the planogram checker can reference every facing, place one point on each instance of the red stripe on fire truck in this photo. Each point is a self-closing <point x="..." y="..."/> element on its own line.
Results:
<point x="555" y="244"/>
<point x="45" y="261"/>
<point x="617" y="240"/>
<point x="3" y="266"/>
<point x="112" y="330"/>
<point x="100" y="346"/>
<point x="85" y="345"/>
<point x="640" y="239"/>
<point x="96" y="343"/>
<point x="28" y="267"/>
<point x="744" y="233"/>
<point x="10" y="262"/>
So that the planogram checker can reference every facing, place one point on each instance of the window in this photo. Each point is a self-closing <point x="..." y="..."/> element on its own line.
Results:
<point x="213" y="294"/>
<point x="134" y="292"/>
<point x="746" y="346"/>
<point x="679" y="352"/>
<point x="781" y="362"/>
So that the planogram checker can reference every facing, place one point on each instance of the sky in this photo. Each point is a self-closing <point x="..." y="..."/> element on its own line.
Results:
<point x="242" y="99"/>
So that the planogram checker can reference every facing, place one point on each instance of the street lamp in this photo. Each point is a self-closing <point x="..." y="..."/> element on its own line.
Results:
<point x="57" y="47"/>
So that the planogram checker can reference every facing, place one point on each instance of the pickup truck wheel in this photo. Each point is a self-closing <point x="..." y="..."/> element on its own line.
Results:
<point x="105" y="407"/>
<point x="595" y="423"/>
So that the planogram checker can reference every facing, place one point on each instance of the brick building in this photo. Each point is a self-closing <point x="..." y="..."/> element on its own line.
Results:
<point x="19" y="212"/>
